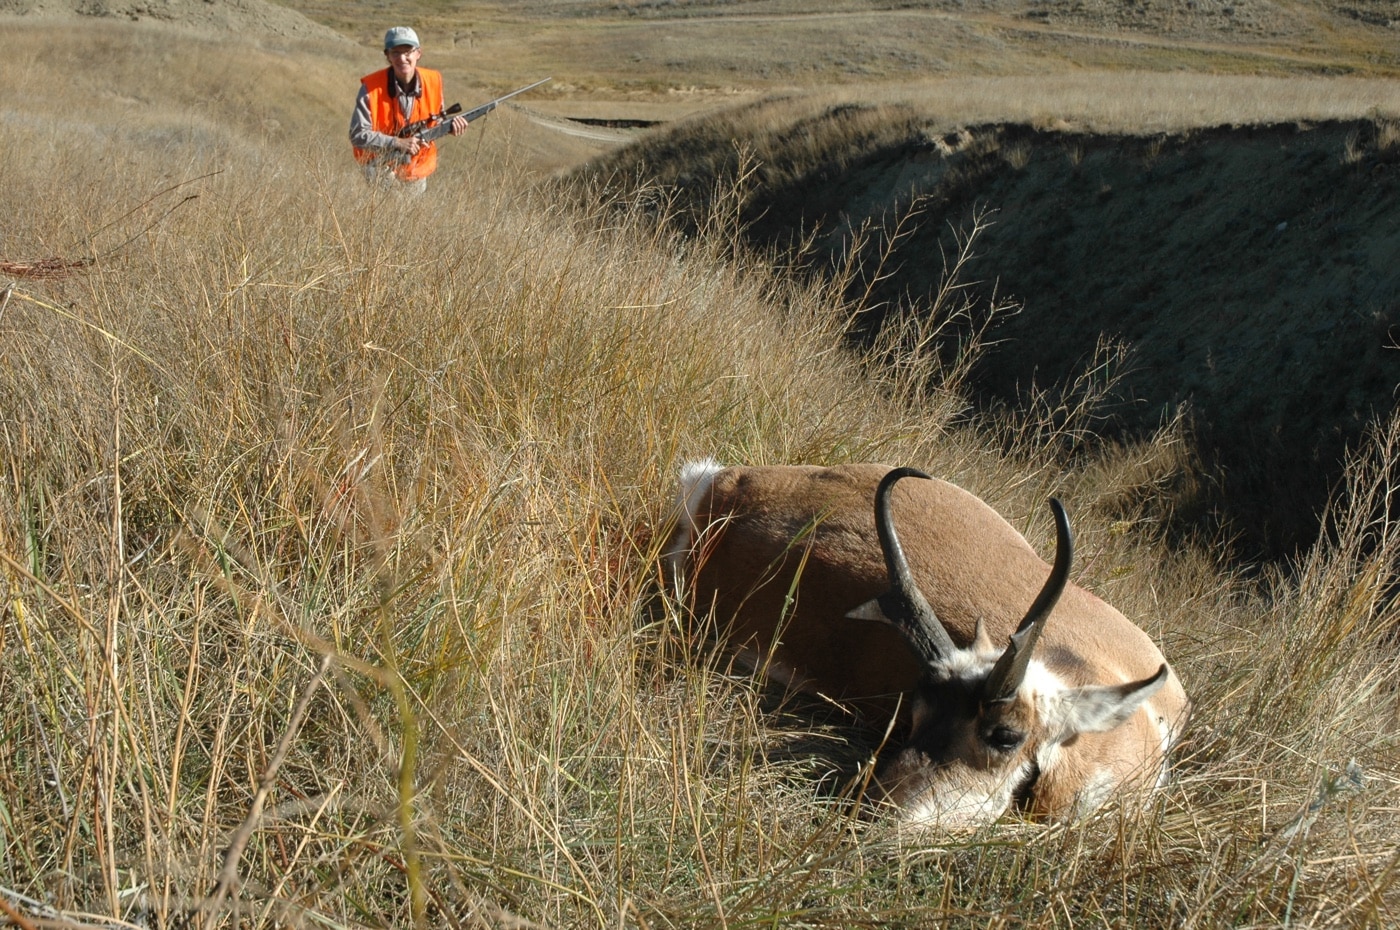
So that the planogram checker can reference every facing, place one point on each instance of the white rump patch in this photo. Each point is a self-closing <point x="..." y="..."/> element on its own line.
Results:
<point x="696" y="477"/>
<point x="695" y="480"/>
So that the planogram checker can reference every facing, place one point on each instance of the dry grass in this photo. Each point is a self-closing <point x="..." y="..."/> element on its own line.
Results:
<point x="432" y="441"/>
<point x="658" y="48"/>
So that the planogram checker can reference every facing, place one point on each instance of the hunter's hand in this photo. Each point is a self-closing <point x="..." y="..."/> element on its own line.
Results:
<point x="409" y="146"/>
<point x="459" y="125"/>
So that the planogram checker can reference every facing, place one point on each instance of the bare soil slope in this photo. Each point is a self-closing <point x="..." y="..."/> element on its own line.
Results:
<point x="250" y="17"/>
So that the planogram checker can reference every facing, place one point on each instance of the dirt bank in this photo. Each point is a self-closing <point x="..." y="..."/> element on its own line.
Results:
<point x="1253" y="274"/>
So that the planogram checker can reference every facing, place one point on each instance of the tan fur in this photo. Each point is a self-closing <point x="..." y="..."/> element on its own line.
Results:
<point x="741" y="540"/>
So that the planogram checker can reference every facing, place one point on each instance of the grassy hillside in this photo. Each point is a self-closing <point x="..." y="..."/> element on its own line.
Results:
<point x="328" y="576"/>
<point x="657" y="48"/>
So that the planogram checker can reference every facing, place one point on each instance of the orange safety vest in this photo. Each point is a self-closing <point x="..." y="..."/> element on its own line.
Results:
<point x="386" y="116"/>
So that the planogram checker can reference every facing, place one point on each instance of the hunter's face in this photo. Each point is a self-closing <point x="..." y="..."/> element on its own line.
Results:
<point x="404" y="60"/>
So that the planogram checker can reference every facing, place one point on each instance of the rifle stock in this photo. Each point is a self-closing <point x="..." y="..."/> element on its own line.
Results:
<point x="418" y="126"/>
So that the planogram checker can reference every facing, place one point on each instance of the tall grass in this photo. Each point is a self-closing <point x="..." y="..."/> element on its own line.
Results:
<point x="285" y="425"/>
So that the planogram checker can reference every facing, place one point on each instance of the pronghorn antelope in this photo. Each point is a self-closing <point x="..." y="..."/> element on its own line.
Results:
<point x="793" y="562"/>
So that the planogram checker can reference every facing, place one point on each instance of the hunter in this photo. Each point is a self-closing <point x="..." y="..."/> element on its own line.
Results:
<point x="390" y="100"/>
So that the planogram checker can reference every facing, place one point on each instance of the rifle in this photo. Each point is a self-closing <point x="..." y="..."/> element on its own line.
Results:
<point x="440" y="124"/>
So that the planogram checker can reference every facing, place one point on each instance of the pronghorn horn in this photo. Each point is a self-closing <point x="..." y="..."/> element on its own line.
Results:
<point x="1006" y="676"/>
<point x="903" y="604"/>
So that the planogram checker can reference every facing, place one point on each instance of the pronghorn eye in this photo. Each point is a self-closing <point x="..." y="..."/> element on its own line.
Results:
<point x="1003" y="738"/>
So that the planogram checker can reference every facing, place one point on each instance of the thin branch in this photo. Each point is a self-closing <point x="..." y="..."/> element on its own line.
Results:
<point x="149" y="200"/>
<point x="228" y="874"/>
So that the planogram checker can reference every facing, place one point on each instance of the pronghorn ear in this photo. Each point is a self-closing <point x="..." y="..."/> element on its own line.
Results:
<point x="982" y="640"/>
<point x="1099" y="708"/>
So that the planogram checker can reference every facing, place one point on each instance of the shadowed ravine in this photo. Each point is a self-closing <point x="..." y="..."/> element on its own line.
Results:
<point x="1252" y="275"/>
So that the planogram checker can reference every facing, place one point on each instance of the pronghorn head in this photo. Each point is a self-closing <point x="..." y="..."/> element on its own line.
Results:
<point x="989" y="727"/>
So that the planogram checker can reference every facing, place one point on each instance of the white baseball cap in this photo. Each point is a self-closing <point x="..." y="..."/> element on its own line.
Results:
<point x="400" y="35"/>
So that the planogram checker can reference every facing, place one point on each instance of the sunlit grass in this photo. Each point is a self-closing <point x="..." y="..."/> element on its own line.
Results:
<point x="282" y="420"/>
